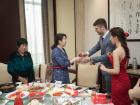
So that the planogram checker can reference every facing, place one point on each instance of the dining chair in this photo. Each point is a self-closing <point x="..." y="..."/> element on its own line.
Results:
<point x="87" y="75"/>
<point x="4" y="75"/>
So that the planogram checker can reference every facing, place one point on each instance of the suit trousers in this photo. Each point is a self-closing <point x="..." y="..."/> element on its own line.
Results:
<point x="106" y="81"/>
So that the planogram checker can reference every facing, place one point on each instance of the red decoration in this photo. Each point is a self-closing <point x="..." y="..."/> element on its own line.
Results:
<point x="101" y="99"/>
<point x="18" y="100"/>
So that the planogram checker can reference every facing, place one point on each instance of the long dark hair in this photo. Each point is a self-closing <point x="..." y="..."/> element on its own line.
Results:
<point x="119" y="32"/>
<point x="58" y="38"/>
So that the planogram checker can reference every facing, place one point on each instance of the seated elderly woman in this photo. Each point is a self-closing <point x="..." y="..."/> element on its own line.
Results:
<point x="134" y="93"/>
<point x="20" y="65"/>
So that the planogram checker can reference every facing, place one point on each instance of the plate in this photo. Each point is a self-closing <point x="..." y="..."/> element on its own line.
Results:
<point x="37" y="95"/>
<point x="22" y="88"/>
<point x="12" y="95"/>
<point x="85" y="93"/>
<point x="36" y="88"/>
<point x="35" y="102"/>
<point x="7" y="87"/>
<point x="57" y="94"/>
<point x="3" y="102"/>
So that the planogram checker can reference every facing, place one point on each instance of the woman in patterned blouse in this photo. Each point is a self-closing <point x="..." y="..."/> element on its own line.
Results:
<point x="60" y="60"/>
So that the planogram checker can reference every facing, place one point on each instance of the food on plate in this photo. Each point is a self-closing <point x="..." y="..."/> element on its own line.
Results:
<point x="70" y="86"/>
<point x="22" y="88"/>
<point x="71" y="92"/>
<point x="37" y="95"/>
<point x="57" y="91"/>
<point x="35" y="88"/>
<point x="57" y="94"/>
<point x="15" y="94"/>
<point x="35" y="102"/>
<point x="7" y="87"/>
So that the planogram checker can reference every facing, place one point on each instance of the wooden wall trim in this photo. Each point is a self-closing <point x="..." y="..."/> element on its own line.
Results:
<point x="79" y="25"/>
<point x="23" y="31"/>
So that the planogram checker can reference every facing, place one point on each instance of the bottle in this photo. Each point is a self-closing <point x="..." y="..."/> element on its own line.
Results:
<point x="134" y="64"/>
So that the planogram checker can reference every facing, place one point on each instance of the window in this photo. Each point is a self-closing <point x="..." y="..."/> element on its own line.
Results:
<point x="33" y="15"/>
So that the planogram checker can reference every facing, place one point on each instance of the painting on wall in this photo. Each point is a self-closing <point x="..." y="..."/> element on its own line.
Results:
<point x="126" y="14"/>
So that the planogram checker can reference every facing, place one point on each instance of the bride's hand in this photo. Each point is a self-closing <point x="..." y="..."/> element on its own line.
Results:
<point x="102" y="67"/>
<point x="109" y="53"/>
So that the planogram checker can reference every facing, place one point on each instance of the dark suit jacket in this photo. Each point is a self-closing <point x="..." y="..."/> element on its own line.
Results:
<point x="105" y="46"/>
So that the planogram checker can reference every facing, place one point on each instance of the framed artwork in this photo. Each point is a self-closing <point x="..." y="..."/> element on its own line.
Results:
<point x="125" y="14"/>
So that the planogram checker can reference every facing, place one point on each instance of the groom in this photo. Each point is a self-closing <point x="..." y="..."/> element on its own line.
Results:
<point x="104" y="44"/>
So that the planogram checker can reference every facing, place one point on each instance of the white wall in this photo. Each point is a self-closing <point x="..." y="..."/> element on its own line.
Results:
<point x="134" y="48"/>
<point x="65" y="23"/>
<point x="94" y="9"/>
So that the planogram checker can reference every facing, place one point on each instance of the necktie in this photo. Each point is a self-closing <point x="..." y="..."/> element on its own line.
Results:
<point x="102" y="39"/>
<point x="102" y="42"/>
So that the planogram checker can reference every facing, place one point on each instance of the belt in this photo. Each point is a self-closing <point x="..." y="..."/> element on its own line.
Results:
<point x="56" y="67"/>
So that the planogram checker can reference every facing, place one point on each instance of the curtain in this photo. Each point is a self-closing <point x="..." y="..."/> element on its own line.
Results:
<point x="48" y="27"/>
<point x="33" y="15"/>
<point x="45" y="31"/>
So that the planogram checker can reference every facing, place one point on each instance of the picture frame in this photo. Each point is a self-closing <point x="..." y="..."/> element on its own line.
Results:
<point x="125" y="14"/>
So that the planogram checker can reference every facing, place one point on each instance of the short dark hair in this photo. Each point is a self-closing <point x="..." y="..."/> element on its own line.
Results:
<point x="21" y="41"/>
<point x="100" y="21"/>
<point x="58" y="37"/>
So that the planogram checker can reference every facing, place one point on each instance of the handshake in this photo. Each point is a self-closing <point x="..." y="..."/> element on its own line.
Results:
<point x="81" y="58"/>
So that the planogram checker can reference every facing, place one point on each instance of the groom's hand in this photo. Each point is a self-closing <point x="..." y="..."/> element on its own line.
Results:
<point x="76" y="59"/>
<point x="83" y="54"/>
<point x="85" y="59"/>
